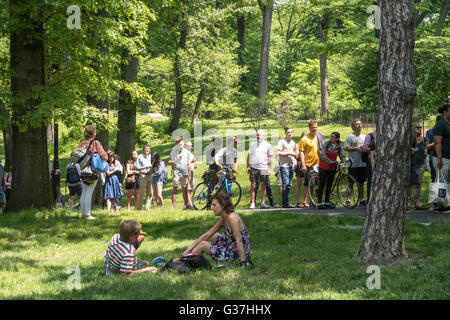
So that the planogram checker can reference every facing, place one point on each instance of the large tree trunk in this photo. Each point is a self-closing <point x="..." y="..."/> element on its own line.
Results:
<point x="324" y="23"/>
<point x="263" y="85"/>
<point x="31" y="186"/>
<point x="126" y="134"/>
<point x="442" y="18"/>
<point x="384" y="226"/>
<point x="198" y="104"/>
<point x="176" y="113"/>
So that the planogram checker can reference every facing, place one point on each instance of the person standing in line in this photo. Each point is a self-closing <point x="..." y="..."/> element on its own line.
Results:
<point x="2" y="188"/>
<point x="429" y="143"/>
<point x="179" y="160"/>
<point x="132" y="180"/>
<point x="112" y="184"/>
<point x="259" y="166"/>
<point x="354" y="146"/>
<point x="227" y="158"/>
<point x="144" y="166"/>
<point x="327" y="168"/>
<point x="441" y="155"/>
<point x="157" y="178"/>
<point x="287" y="152"/>
<point x="368" y="147"/>
<point x="308" y="151"/>
<point x="418" y="162"/>
<point x="191" y="184"/>
<point x="8" y="183"/>
<point x="95" y="147"/>
<point x="299" y="175"/>
<point x="73" y="180"/>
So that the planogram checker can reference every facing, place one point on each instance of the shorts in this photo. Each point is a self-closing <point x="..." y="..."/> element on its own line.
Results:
<point x="76" y="190"/>
<point x="360" y="174"/>
<point x="157" y="180"/>
<point x="414" y="177"/>
<point x="2" y="196"/>
<point x="179" y="178"/>
<point x="307" y="175"/>
<point x="298" y="170"/>
<point x="257" y="175"/>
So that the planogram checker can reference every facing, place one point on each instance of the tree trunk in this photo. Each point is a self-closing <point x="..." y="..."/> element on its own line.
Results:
<point x="198" y="104"/>
<point x="263" y="84"/>
<point x="176" y="113"/>
<point x="126" y="133"/>
<point x="324" y="23"/>
<point x="31" y="186"/>
<point x="7" y="140"/>
<point x="442" y="18"/>
<point x="384" y="227"/>
<point x="241" y="49"/>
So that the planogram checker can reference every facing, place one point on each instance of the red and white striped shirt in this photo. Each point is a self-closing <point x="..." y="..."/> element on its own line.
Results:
<point x="119" y="257"/>
<point x="96" y="147"/>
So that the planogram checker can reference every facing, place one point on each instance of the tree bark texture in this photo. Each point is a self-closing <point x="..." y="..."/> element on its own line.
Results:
<point x="324" y="24"/>
<point x="384" y="227"/>
<point x="263" y="85"/>
<point x="176" y="113"/>
<point x="31" y="187"/>
<point x="126" y="134"/>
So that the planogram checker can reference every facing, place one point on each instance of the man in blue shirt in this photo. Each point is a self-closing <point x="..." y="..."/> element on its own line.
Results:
<point x="144" y="166"/>
<point x="429" y="140"/>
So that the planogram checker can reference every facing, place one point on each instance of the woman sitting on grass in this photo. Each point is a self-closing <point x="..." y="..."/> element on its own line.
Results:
<point x="234" y="245"/>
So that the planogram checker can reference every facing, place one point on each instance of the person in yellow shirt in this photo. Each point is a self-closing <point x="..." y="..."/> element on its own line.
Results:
<point x="308" y="149"/>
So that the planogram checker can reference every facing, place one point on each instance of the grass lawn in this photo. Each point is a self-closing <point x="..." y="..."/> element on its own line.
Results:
<point x="295" y="256"/>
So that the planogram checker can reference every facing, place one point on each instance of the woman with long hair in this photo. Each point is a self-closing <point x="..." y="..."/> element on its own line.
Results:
<point x="112" y="183"/>
<point x="157" y="180"/>
<point x="132" y="180"/>
<point x="234" y="245"/>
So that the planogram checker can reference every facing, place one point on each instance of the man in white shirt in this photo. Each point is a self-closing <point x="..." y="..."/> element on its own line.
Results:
<point x="191" y="184"/>
<point x="179" y="160"/>
<point x="354" y="146"/>
<point x="144" y="166"/>
<point x="259" y="166"/>
<point x="227" y="158"/>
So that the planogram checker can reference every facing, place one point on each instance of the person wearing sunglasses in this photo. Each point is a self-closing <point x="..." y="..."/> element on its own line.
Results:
<point x="417" y="164"/>
<point x="120" y="256"/>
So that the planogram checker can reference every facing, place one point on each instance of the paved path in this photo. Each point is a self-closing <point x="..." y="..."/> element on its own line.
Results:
<point x="422" y="216"/>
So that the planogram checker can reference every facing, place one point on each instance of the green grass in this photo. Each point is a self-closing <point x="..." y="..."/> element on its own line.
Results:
<point x="296" y="257"/>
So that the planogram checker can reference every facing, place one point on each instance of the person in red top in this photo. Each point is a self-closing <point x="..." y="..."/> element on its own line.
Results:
<point x="96" y="147"/>
<point x="327" y="167"/>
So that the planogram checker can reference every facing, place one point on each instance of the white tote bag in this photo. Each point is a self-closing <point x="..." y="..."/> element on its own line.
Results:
<point x="438" y="192"/>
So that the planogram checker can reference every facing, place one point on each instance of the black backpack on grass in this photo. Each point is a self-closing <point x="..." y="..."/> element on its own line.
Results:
<point x="188" y="263"/>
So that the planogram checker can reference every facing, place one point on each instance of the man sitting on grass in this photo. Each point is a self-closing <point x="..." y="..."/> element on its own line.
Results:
<point x="120" y="256"/>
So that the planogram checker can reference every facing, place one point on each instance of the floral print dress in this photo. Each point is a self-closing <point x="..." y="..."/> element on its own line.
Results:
<point x="225" y="247"/>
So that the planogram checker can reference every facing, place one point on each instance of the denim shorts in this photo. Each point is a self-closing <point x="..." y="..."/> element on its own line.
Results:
<point x="157" y="180"/>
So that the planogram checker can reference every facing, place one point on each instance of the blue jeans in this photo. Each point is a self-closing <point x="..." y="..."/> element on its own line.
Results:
<point x="287" y="175"/>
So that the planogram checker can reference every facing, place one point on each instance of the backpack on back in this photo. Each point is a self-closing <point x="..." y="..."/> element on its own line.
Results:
<point x="188" y="263"/>
<point x="164" y="176"/>
<point x="72" y="175"/>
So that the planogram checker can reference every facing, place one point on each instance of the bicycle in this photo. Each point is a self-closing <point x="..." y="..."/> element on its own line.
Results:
<point x="340" y="190"/>
<point x="203" y="192"/>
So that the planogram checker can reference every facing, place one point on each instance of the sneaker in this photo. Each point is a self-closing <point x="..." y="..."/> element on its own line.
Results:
<point x="363" y="202"/>
<point x="288" y="206"/>
<point x="264" y="206"/>
<point x="274" y="206"/>
<point x="252" y="206"/>
<point x="88" y="218"/>
<point x="347" y="203"/>
<point x="322" y="206"/>
<point x="330" y="205"/>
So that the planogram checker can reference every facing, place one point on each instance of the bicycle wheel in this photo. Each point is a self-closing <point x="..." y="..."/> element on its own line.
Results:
<point x="349" y="197"/>
<point x="200" y="196"/>
<point x="234" y="191"/>
<point x="313" y="188"/>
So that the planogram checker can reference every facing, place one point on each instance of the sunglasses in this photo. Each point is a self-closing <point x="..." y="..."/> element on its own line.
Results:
<point x="418" y="127"/>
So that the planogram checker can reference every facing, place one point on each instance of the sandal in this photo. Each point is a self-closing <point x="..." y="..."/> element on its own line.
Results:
<point x="305" y="205"/>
